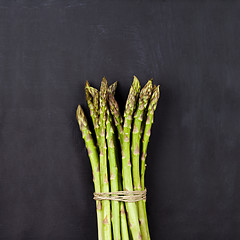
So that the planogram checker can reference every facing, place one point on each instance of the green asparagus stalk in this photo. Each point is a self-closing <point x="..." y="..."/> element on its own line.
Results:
<point x="126" y="158"/>
<point x="146" y="135"/>
<point x="116" y="113"/>
<point x="103" y="160"/>
<point x="147" y="131"/>
<point x="94" y="160"/>
<point x="145" y="94"/>
<point x="112" y="159"/>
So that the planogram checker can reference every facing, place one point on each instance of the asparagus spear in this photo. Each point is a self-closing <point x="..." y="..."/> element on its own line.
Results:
<point x="103" y="160"/>
<point x="116" y="114"/>
<point x="113" y="176"/>
<point x="126" y="155"/>
<point x="147" y="130"/>
<point x="124" y="225"/>
<point x="145" y="94"/>
<point x="146" y="135"/>
<point x="94" y="160"/>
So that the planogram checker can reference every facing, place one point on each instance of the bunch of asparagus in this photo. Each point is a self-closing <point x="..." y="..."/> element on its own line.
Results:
<point x="117" y="169"/>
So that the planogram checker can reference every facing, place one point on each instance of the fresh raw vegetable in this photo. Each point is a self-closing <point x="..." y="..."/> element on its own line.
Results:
<point x="145" y="94"/>
<point x="117" y="154"/>
<point x="94" y="159"/>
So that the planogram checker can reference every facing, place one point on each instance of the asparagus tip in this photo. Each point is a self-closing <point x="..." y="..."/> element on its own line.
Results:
<point x="136" y="83"/>
<point x="93" y="91"/>
<point x="104" y="79"/>
<point x="156" y="94"/>
<point x="112" y="88"/>
<point x="79" y="111"/>
<point x="147" y="89"/>
<point x="114" y="84"/>
<point x="87" y="84"/>
<point x="158" y="90"/>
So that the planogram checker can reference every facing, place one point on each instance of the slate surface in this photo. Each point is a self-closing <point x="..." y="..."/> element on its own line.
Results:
<point x="49" y="48"/>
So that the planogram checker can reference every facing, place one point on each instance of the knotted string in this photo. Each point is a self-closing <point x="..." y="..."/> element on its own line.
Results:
<point x="123" y="196"/>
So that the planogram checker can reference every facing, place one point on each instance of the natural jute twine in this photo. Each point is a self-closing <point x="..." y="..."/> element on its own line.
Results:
<point x="123" y="196"/>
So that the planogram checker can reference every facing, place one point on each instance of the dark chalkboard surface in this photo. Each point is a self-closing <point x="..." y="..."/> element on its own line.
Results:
<point x="49" y="48"/>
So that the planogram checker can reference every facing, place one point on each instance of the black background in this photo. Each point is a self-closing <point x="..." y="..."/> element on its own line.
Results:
<point x="48" y="49"/>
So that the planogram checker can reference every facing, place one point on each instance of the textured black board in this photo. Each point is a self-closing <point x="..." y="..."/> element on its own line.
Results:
<point x="48" y="49"/>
